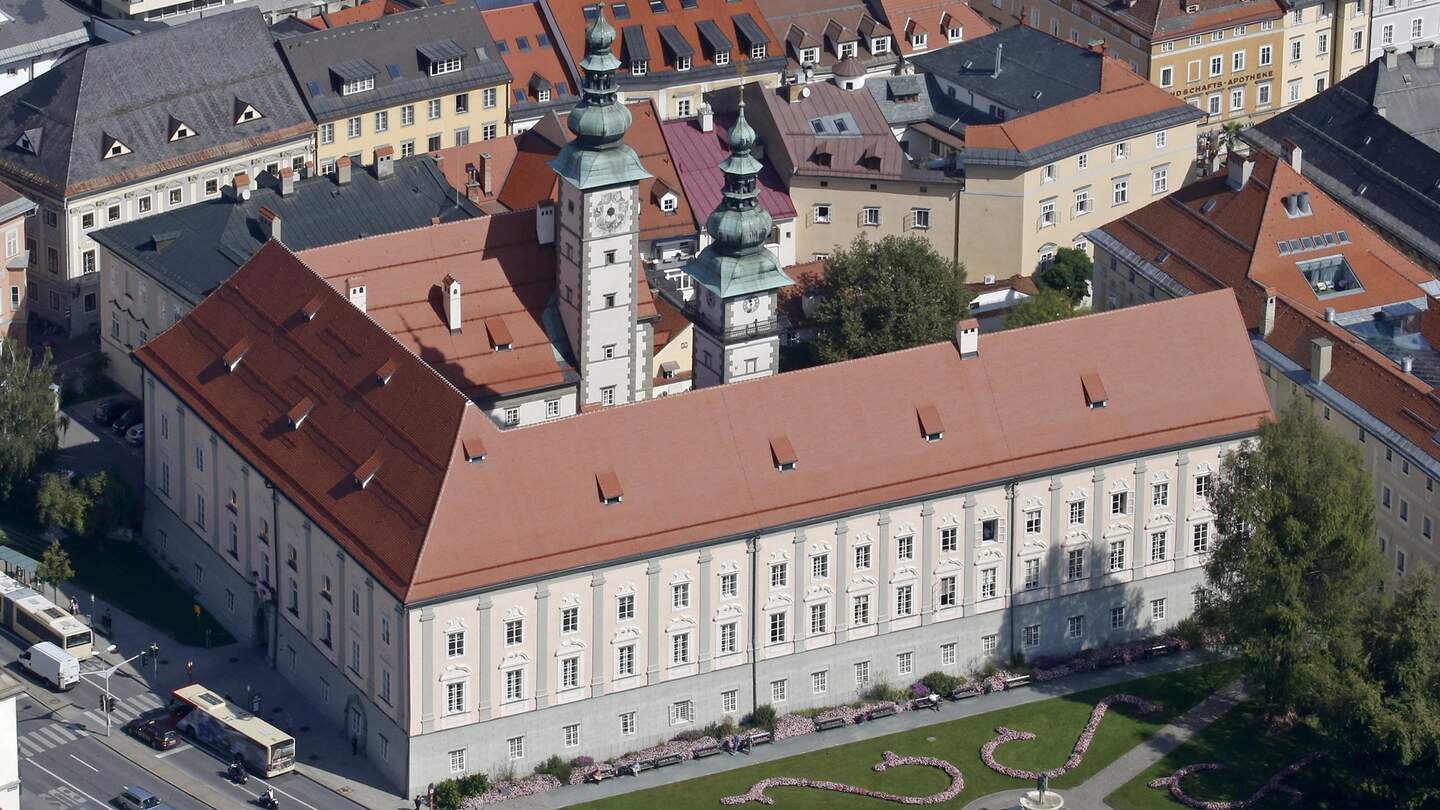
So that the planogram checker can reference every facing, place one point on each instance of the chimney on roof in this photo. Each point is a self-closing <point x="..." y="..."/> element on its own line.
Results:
<point x="1392" y="57"/>
<point x="707" y="118"/>
<point x="451" y="288"/>
<point x="1321" y="350"/>
<point x="1407" y="364"/>
<point x="999" y="54"/>
<point x="1380" y="111"/>
<point x="1290" y="150"/>
<point x="1267" y="314"/>
<point x="270" y="225"/>
<point x="1330" y="314"/>
<point x="1291" y="208"/>
<point x="384" y="162"/>
<point x="487" y="174"/>
<point x="1303" y="202"/>
<point x="1239" y="167"/>
<point x="967" y="337"/>
<point x="795" y="92"/>
<point x="545" y="222"/>
<point x="287" y="181"/>
<point x="1425" y="54"/>
<point x="342" y="170"/>
<point x="242" y="186"/>
<point x="356" y="286"/>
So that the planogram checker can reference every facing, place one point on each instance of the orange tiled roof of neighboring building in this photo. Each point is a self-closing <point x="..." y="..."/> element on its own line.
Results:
<point x="937" y="17"/>
<point x="1161" y="20"/>
<point x="366" y="11"/>
<point x="529" y="49"/>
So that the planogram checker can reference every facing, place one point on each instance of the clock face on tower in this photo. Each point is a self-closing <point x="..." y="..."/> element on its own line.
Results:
<point x="610" y="211"/>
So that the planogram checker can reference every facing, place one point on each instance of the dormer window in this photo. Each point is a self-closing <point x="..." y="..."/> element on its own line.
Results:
<point x="112" y="147"/>
<point x="722" y="57"/>
<point x="639" y="67"/>
<point x="28" y="143"/>
<point x="809" y="56"/>
<point x="846" y="50"/>
<point x="955" y="33"/>
<point x="682" y="63"/>
<point x="668" y="203"/>
<point x="179" y="130"/>
<point x="444" y="66"/>
<point x="879" y="45"/>
<point x="245" y="112"/>
<point x="354" y="86"/>
<point x="919" y="40"/>
<point x="542" y="96"/>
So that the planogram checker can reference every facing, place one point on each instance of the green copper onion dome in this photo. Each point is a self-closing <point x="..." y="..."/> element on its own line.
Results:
<point x="598" y="155"/>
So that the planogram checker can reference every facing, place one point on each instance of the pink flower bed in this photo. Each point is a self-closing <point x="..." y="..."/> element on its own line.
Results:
<point x="891" y="760"/>
<point x="500" y="791"/>
<point x="1004" y="735"/>
<point x="1275" y="784"/>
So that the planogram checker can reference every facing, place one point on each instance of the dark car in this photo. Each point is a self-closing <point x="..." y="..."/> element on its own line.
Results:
<point x="128" y="419"/>
<point x="155" y="733"/>
<point x="107" y="411"/>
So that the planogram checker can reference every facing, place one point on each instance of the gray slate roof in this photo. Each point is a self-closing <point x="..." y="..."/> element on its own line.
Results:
<point x="393" y="47"/>
<point x="35" y="27"/>
<point x="902" y="99"/>
<point x="196" y="73"/>
<point x="199" y="246"/>
<point x="1365" y="160"/>
<point x="1031" y="62"/>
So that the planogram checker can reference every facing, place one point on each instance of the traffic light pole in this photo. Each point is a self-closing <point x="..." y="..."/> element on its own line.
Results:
<point x="106" y="674"/>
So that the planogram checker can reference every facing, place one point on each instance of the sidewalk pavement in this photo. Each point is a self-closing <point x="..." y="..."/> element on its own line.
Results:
<point x="905" y="721"/>
<point x="238" y="671"/>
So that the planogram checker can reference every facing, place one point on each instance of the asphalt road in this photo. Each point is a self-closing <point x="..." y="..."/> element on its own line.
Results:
<point x="64" y="763"/>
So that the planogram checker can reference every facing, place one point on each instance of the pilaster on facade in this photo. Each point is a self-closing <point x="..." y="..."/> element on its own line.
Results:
<point x="881" y="554"/>
<point x="597" y="634"/>
<point x="842" y="581"/>
<point x="1052" y="576"/>
<point x="427" y="670"/>
<point x="1141" y="511"/>
<point x="927" y="562"/>
<point x="969" y="585"/>
<point x="800" y="608"/>
<point x="707" y="619"/>
<point x="484" y="633"/>
<point x="652" y="633"/>
<point x="1099" y="521"/>
<point x="542" y="645"/>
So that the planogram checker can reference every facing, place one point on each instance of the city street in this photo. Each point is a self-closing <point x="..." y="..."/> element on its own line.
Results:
<point x="66" y="761"/>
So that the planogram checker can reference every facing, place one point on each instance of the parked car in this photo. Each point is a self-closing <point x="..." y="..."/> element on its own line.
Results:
<point x="135" y="436"/>
<point x="128" y="419"/>
<point x="155" y="732"/>
<point x="107" y="411"/>
<point x="138" y="798"/>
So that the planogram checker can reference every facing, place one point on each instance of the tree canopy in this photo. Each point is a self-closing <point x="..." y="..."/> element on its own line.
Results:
<point x="888" y="295"/>
<point x="54" y="568"/>
<point x="1294" y="563"/>
<point x="92" y="505"/>
<point x="1045" y="306"/>
<point x="27" y="413"/>
<point x="1069" y="273"/>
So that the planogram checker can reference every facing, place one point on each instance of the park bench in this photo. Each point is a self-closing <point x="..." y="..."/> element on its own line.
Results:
<point x="1016" y="680"/>
<point x="965" y="692"/>
<point x="828" y="723"/>
<point x="601" y="773"/>
<point x="759" y="737"/>
<point x="930" y="701"/>
<point x="882" y="711"/>
<point x="668" y="759"/>
<point x="707" y="750"/>
<point x="634" y="768"/>
<point x="1157" y="650"/>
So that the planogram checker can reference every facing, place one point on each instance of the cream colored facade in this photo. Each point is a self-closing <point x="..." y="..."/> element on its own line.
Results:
<point x="682" y="99"/>
<point x="1016" y="221"/>
<point x="677" y="350"/>
<point x="830" y="212"/>
<point x="1321" y="48"/>
<point x="630" y="652"/>
<point x="416" y="127"/>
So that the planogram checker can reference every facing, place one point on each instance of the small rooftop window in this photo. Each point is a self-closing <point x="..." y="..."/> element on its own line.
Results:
<point x="1095" y="395"/>
<point x="473" y="447"/>
<point x="621" y="11"/>
<point x="386" y="371"/>
<point x="365" y="473"/>
<point x="236" y="353"/>
<point x="522" y="43"/>
<point x="783" y="453"/>
<point x="608" y="485"/>
<point x="591" y="12"/>
<point x="658" y="6"/>
<point x="542" y="41"/>
<point x="502" y="46"/>
<point x="1331" y="275"/>
<point x="930" y="425"/>
<point x="297" y="414"/>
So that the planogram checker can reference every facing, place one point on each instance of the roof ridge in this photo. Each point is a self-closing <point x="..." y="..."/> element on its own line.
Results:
<point x="73" y="124"/>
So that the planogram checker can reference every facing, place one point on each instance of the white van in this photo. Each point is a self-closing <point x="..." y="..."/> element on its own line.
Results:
<point x="52" y="664"/>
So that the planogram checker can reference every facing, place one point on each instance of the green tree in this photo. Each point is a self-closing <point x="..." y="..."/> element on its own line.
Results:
<point x="54" y="568"/>
<point x="1045" y="306"/>
<point x="27" y="413"/>
<point x="1069" y="272"/>
<point x="1294" y="563"/>
<point x="1383" y="719"/>
<point x="111" y="503"/>
<point x="888" y="295"/>
<point x="59" y="502"/>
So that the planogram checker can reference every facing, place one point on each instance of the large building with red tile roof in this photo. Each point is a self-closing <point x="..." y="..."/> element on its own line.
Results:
<point x="505" y="591"/>
<point x="1340" y="318"/>
<point x="544" y="78"/>
<point x="925" y="25"/>
<point x="819" y="34"/>
<point x="677" y="51"/>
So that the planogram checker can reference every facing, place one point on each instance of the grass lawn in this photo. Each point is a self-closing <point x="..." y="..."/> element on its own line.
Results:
<point x="124" y="575"/>
<point x="1056" y="722"/>
<point x="1251" y="753"/>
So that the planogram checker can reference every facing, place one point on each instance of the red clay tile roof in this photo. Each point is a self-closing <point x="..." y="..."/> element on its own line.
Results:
<point x="698" y="154"/>
<point x="503" y="273"/>
<point x="431" y="523"/>
<point x="769" y="112"/>
<point x="1235" y="241"/>
<point x="1161" y="20"/>
<point x="410" y="425"/>
<point x="570" y="16"/>
<point x="526" y="20"/>
<point x="669" y="324"/>
<point x="1123" y="95"/>
<point x="823" y="24"/>
<point x="1023" y="383"/>
<point x="935" y="17"/>
<point x="365" y="11"/>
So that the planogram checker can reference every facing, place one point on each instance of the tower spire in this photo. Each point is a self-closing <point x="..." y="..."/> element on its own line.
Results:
<point x="598" y="154"/>
<point x="739" y="225"/>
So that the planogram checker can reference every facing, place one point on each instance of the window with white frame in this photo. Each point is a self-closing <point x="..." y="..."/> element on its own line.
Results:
<point x="627" y="724"/>
<point x="1167" y="77"/>
<point x="862" y="557"/>
<point x="879" y="45"/>
<point x="1237" y="98"/>
<point x="1157" y="609"/>
<point x="680" y="648"/>
<point x="1075" y="564"/>
<point x="1077" y="513"/>
<point x="455" y="697"/>
<point x="905" y="664"/>
<point x="777" y="628"/>
<point x="947" y="596"/>
<point x="515" y="747"/>
<point x="729" y="638"/>
<point x="779" y="575"/>
<point x="988" y="582"/>
<point x="1032" y="521"/>
<point x="759" y="50"/>
<point x="1237" y="61"/>
<point x="1075" y="627"/>
<point x="778" y="690"/>
<point x="820" y="213"/>
<point x="1160" y="495"/>
<point x="569" y="673"/>
<point x="904" y="600"/>
<point x="455" y="644"/>
<point x="820" y="566"/>
<point x="1030" y="635"/>
<point x="1117" y="555"/>
<point x="989" y="644"/>
<point x="1083" y="204"/>
<point x="1200" y="538"/>
<point x="1160" y="180"/>
<point x="457" y="761"/>
<point x="950" y="538"/>
<point x="1117" y="617"/>
<point x="862" y="673"/>
<point x="905" y="548"/>
<point x="1120" y="193"/>
<point x="625" y="607"/>
<point x="729" y="586"/>
<point x="514" y="632"/>
<point x="680" y="596"/>
<point x="818" y="619"/>
<point x="860" y="610"/>
<point x="357" y="86"/>
<point x="570" y="735"/>
<point x="948" y="654"/>
<point x="1047" y="213"/>
<point x="1214" y="103"/>
<point x="1032" y="574"/>
<point x="682" y="711"/>
<point x="730" y="701"/>
<point x="570" y="620"/>
<point x="352" y="127"/>
<point x="870" y="215"/>
<point x="514" y="685"/>
<point x="1159" y="542"/>
<point x="819" y="682"/>
<point x="920" y="218"/>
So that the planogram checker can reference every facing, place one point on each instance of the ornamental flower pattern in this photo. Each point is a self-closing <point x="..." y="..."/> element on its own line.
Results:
<point x="1004" y="735"/>
<point x="890" y="760"/>
<point x="1276" y="784"/>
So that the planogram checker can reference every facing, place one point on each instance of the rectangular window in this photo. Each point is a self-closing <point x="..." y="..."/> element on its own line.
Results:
<point x="1160" y="180"/>
<point x="989" y="530"/>
<point x="455" y="698"/>
<point x="627" y="724"/>
<point x="1237" y="61"/>
<point x="1167" y="77"/>
<point x="862" y="673"/>
<point x="1159" y="541"/>
<point x="1237" y="98"/>
<point x="862" y="558"/>
<point x="779" y="575"/>
<point x="1032" y="574"/>
<point x="680" y="648"/>
<point x="1030" y="635"/>
<point x="488" y="98"/>
<point x="514" y="632"/>
<point x="905" y="548"/>
<point x="905" y="664"/>
<point x="570" y="620"/>
<point x="1077" y="513"/>
<point x="625" y="607"/>
<point x="1160" y="495"/>
<point x="870" y="215"/>
<point x="1075" y="627"/>
<point x="682" y="711"/>
<point x="777" y="628"/>
<point x="680" y="596"/>
<point x="352" y="127"/>
<point x="457" y="761"/>
<point x="860" y="615"/>
<point x="730" y="701"/>
<point x="1157" y="609"/>
<point x="1121" y="192"/>
<point x="514" y="685"/>
<point x="948" y="654"/>
<point x="1262" y="95"/>
<point x="625" y="661"/>
<point x="1204" y="486"/>
<point x="569" y="673"/>
<point x="1075" y="564"/>
<point x="950" y="539"/>
<point x="455" y="644"/>
<point x="515" y="746"/>
<point x="1032" y="521"/>
<point x="729" y="638"/>
<point x="989" y="644"/>
<point x="571" y="735"/>
<point x="818" y="619"/>
<point x="1117" y="555"/>
<point x="777" y="691"/>
<point x="819" y="682"/>
<point x="1200" y="538"/>
<point x="947" y="592"/>
<point x="988" y="583"/>
<point x="382" y="121"/>
<point x="407" y="115"/>
<point x="904" y="600"/>
<point x="1217" y="65"/>
<point x="1119" y="504"/>
<point x="729" y="586"/>
<point x="820" y="566"/>
<point x="1117" y="617"/>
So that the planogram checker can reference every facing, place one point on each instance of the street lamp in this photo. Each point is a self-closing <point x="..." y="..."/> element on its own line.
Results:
<point x="106" y="675"/>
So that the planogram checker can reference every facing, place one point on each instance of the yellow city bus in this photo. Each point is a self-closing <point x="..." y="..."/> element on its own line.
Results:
<point x="231" y="732"/>
<point x="27" y="614"/>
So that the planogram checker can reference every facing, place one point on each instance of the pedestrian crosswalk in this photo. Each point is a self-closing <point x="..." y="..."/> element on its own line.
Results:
<point x="53" y="735"/>
<point x="49" y="736"/>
